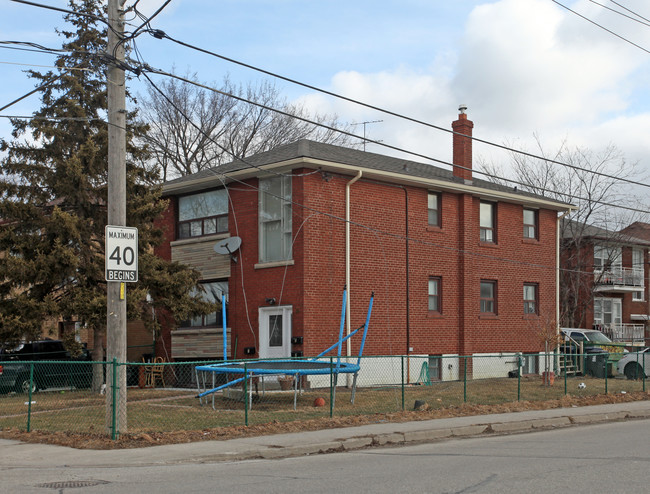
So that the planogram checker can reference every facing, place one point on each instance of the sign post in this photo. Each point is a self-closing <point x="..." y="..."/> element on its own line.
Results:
<point x="121" y="254"/>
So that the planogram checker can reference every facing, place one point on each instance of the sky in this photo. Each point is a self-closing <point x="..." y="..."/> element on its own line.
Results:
<point x="525" y="69"/>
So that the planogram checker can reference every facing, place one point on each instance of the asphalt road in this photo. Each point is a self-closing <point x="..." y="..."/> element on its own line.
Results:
<point x="605" y="458"/>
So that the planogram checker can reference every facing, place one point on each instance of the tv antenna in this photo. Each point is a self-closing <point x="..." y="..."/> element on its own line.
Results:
<point x="228" y="246"/>
<point x="364" y="129"/>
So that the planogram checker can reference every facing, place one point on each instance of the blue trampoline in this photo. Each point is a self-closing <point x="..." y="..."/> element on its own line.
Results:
<point x="289" y="367"/>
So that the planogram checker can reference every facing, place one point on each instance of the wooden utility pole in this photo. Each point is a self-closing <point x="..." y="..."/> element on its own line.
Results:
<point x="116" y="291"/>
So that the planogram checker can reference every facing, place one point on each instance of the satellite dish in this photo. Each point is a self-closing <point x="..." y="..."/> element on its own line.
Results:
<point x="227" y="245"/>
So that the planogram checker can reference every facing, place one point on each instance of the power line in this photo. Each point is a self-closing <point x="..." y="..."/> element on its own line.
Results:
<point x="65" y="11"/>
<point x="222" y="176"/>
<point x="161" y="34"/>
<point x="42" y="66"/>
<point x="149" y="19"/>
<point x="379" y="143"/>
<point x="630" y="11"/>
<point x="635" y="19"/>
<point x="602" y="27"/>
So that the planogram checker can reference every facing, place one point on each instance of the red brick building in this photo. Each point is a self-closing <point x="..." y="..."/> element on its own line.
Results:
<point x="458" y="265"/>
<point x="605" y="284"/>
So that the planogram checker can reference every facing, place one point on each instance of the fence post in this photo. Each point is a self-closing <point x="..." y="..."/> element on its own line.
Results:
<point x="246" y="394"/>
<point x="643" y="377"/>
<point x="565" y="378"/>
<point x="606" y="372"/>
<point x="331" y="387"/>
<point x="465" y="379"/>
<point x="29" y="396"/>
<point x="114" y="404"/>
<point x="519" y="358"/>
<point x="402" y="358"/>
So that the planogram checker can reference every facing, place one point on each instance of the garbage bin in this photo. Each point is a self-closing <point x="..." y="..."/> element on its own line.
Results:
<point x="596" y="362"/>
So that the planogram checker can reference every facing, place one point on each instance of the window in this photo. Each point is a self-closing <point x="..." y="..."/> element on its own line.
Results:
<point x="434" y="209"/>
<point x="435" y="367"/>
<point x="434" y="295"/>
<point x="530" y="223"/>
<point x="487" y="223"/>
<point x="530" y="298"/>
<point x="275" y="219"/>
<point x="529" y="363"/>
<point x="203" y="214"/>
<point x="607" y="311"/>
<point x="488" y="297"/>
<point x="212" y="292"/>
<point x="637" y="273"/>
<point x="607" y="257"/>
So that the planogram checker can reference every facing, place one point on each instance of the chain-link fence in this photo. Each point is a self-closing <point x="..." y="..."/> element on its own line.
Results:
<point x="71" y="396"/>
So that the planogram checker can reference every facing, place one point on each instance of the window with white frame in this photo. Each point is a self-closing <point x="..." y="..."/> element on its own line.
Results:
<point x="637" y="269"/>
<point x="434" y="209"/>
<point x="487" y="221"/>
<point x="434" y="294"/>
<point x="607" y="310"/>
<point x="530" y="223"/>
<point x="607" y="257"/>
<point x="530" y="298"/>
<point x="203" y="214"/>
<point x="275" y="219"/>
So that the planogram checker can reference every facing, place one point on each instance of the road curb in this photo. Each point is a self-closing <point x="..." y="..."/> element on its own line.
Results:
<point x="430" y="435"/>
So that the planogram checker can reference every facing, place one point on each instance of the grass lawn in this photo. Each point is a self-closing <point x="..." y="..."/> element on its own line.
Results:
<point x="160" y="410"/>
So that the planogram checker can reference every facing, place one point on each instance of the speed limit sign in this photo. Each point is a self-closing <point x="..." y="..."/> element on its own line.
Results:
<point x="121" y="253"/>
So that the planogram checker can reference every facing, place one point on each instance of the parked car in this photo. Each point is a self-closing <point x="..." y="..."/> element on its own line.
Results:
<point x="591" y="337"/>
<point x="53" y="366"/>
<point x="633" y="364"/>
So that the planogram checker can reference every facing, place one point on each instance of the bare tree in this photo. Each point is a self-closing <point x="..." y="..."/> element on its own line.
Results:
<point x="229" y="127"/>
<point x="595" y="182"/>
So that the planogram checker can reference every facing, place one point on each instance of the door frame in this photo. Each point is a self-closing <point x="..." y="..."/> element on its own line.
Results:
<point x="284" y="351"/>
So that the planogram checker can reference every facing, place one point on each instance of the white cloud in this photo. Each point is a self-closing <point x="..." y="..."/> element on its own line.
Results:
<point x="522" y="68"/>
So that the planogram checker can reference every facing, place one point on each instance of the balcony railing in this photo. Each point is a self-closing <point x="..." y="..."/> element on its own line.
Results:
<point x="619" y="276"/>
<point x="623" y="332"/>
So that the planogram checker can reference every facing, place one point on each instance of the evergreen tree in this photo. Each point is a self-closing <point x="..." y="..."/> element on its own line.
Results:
<point x="53" y="194"/>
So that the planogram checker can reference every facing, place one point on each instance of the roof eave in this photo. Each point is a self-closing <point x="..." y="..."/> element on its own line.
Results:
<point x="217" y="180"/>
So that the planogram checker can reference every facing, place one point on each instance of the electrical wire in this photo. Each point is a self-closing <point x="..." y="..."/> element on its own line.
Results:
<point x="161" y="34"/>
<point x="150" y="18"/>
<point x="222" y="177"/>
<point x="621" y="13"/>
<point x="379" y="143"/>
<point x="630" y="11"/>
<point x="41" y="66"/>
<point x="602" y="27"/>
<point x="65" y="11"/>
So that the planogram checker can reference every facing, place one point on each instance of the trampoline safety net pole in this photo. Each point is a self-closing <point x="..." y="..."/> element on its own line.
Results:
<point x="223" y="319"/>
<point x="340" y="344"/>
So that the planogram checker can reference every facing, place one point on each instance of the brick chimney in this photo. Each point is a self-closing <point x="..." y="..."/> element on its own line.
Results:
<point x="462" y="145"/>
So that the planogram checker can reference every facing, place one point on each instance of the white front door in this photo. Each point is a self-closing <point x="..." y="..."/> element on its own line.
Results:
<point x="275" y="332"/>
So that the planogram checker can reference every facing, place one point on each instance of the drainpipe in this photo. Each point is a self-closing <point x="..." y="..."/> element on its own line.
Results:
<point x="348" y="345"/>
<point x="408" y="287"/>
<point x="557" y="266"/>
<point x="557" y="285"/>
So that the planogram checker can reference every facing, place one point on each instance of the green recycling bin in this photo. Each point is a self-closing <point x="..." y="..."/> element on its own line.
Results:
<point x="596" y="364"/>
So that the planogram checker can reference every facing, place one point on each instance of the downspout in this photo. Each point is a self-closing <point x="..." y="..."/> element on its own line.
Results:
<point x="557" y="286"/>
<point x="348" y="343"/>
<point x="557" y="267"/>
<point x="408" y="300"/>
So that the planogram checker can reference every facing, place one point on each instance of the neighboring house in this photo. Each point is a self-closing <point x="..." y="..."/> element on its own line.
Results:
<point x="605" y="285"/>
<point x="458" y="265"/>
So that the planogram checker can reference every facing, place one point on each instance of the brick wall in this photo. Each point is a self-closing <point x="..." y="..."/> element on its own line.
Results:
<point x="313" y="282"/>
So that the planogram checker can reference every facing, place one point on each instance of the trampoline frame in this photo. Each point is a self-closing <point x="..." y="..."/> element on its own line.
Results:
<point x="287" y="367"/>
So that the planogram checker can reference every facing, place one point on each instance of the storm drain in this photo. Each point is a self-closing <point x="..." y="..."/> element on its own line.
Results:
<point x="71" y="484"/>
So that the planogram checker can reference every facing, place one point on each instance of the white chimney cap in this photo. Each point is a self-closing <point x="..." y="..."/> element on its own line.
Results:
<point x="462" y="108"/>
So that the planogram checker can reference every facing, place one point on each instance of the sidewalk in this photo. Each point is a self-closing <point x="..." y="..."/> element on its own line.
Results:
<point x="16" y="454"/>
